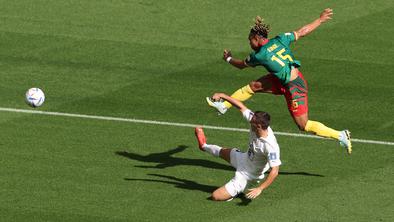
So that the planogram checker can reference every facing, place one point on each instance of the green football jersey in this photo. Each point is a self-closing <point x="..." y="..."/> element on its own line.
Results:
<point x="276" y="56"/>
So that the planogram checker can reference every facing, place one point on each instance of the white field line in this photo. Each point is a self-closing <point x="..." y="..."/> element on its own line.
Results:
<point x="153" y="122"/>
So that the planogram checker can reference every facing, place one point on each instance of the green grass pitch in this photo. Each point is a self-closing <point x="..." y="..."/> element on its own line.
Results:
<point x="158" y="60"/>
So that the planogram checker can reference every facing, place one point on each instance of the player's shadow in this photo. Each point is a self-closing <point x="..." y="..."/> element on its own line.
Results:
<point x="179" y="183"/>
<point x="166" y="159"/>
<point x="187" y="184"/>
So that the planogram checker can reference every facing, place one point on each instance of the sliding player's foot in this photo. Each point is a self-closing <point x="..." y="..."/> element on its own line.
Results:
<point x="200" y="137"/>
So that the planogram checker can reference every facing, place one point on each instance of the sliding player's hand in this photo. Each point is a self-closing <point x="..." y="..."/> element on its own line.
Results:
<point x="226" y="54"/>
<point x="254" y="192"/>
<point x="326" y="15"/>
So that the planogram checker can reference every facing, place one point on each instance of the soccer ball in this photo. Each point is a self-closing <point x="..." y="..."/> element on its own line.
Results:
<point x="35" y="97"/>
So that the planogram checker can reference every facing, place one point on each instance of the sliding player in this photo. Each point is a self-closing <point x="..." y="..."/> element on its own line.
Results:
<point x="263" y="154"/>
<point x="284" y="77"/>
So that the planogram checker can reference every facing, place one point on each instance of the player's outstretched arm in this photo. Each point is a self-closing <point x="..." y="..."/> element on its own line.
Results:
<point x="234" y="102"/>
<point x="255" y="192"/>
<point x="240" y="64"/>
<point x="305" y="30"/>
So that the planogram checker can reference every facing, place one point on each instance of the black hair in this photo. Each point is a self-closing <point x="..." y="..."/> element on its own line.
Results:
<point x="259" y="28"/>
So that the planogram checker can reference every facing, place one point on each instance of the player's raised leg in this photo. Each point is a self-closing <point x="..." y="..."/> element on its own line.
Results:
<point x="322" y="130"/>
<point x="263" y="85"/>
<point x="214" y="150"/>
<point x="315" y="127"/>
<point x="241" y="94"/>
<point x="296" y="95"/>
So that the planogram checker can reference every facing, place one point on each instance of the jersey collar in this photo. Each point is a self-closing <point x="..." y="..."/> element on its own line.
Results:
<point x="264" y="42"/>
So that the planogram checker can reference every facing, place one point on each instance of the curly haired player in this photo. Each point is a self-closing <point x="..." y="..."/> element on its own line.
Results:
<point x="284" y="77"/>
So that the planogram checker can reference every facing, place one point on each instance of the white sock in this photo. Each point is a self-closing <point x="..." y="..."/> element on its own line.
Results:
<point x="212" y="149"/>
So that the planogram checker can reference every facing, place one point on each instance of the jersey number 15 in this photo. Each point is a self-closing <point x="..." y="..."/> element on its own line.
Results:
<point x="282" y="57"/>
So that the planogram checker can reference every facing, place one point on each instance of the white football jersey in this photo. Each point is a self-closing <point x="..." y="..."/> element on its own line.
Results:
<point x="262" y="154"/>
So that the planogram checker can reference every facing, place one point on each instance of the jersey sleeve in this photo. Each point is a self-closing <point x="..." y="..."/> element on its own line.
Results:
<point x="248" y="114"/>
<point x="273" y="156"/>
<point x="287" y="38"/>
<point x="251" y="60"/>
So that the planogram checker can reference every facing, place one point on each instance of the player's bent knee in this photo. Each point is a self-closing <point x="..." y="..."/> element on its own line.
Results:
<point x="301" y="121"/>
<point x="220" y="195"/>
<point x="301" y="127"/>
<point x="256" y="86"/>
<point x="215" y="197"/>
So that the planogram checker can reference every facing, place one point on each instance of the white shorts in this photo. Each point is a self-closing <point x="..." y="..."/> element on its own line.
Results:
<point x="240" y="181"/>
